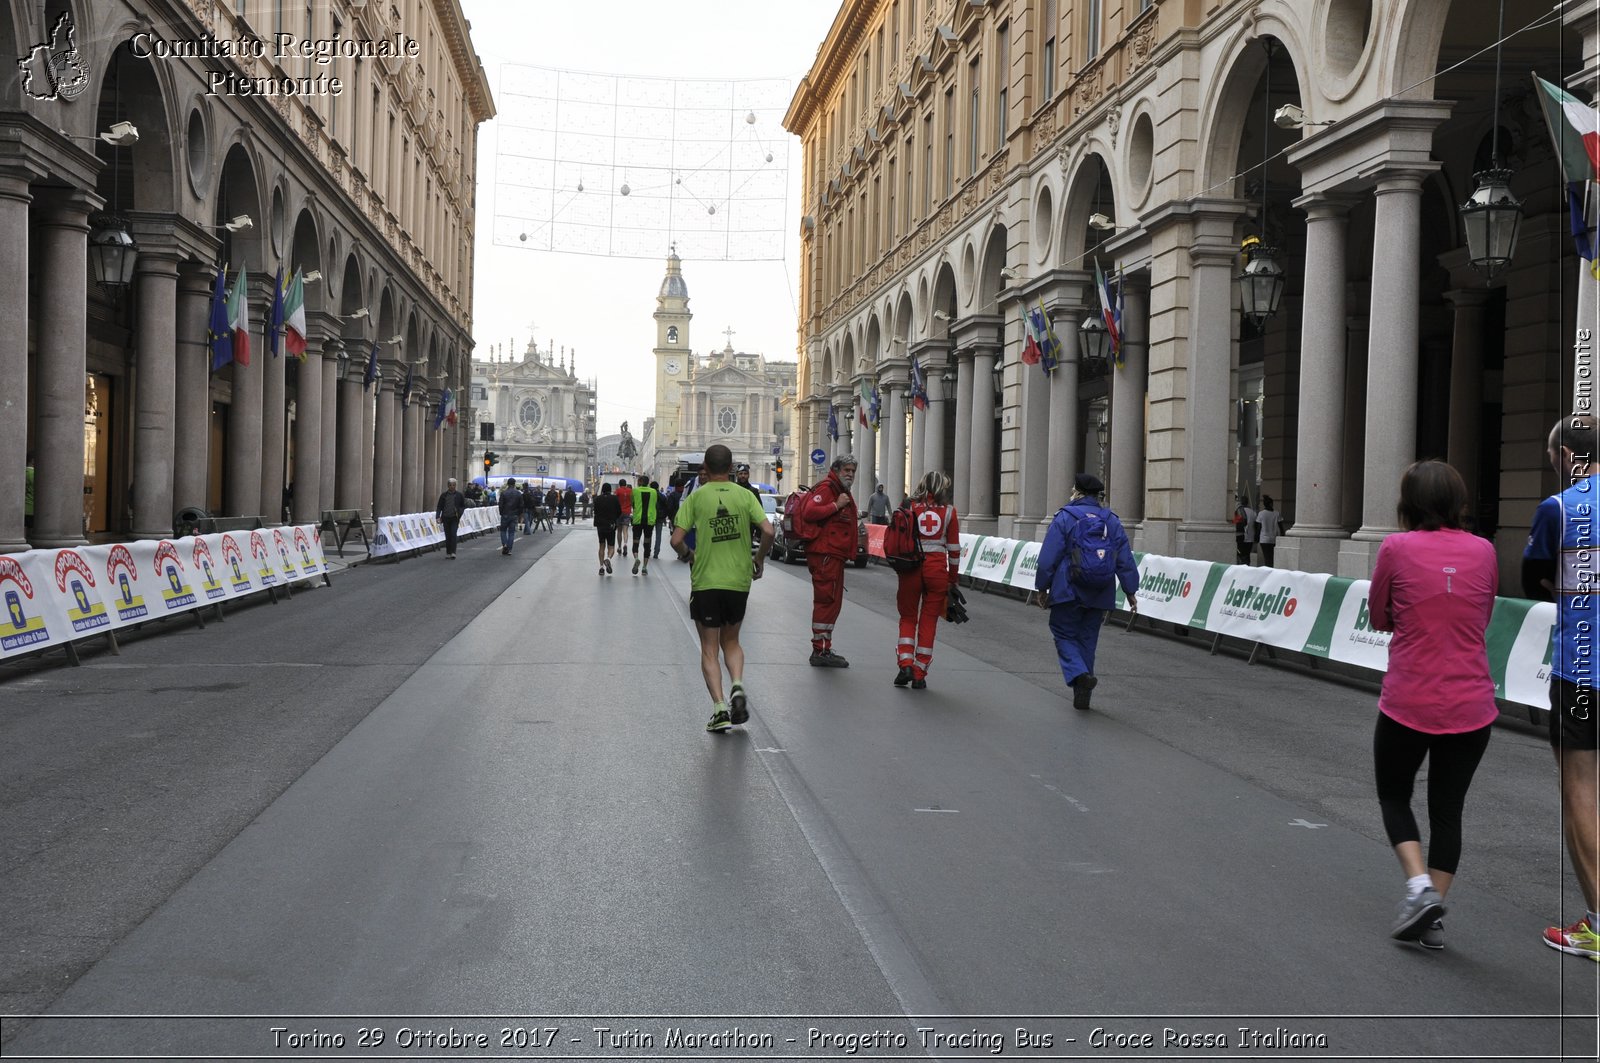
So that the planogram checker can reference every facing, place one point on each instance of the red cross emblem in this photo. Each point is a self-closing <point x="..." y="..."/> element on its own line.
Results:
<point x="930" y="523"/>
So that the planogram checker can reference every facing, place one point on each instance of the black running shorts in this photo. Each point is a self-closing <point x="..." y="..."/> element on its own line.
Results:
<point x="1572" y="714"/>
<point x="716" y="608"/>
<point x="608" y="536"/>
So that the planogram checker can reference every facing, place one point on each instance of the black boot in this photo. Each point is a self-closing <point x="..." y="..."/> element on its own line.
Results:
<point x="903" y="677"/>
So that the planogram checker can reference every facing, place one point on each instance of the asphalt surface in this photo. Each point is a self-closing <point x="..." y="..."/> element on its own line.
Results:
<point x="476" y="796"/>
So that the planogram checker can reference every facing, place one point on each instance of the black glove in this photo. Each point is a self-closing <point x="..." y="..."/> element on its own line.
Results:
<point x="956" y="595"/>
<point x="955" y="611"/>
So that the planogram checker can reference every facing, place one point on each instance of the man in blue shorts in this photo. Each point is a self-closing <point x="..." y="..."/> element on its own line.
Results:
<point x="721" y="515"/>
<point x="1560" y="562"/>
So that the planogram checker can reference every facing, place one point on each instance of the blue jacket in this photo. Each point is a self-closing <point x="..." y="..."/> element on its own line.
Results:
<point x="1054" y="562"/>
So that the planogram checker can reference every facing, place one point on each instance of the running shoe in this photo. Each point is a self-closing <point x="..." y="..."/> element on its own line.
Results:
<point x="1579" y="939"/>
<point x="1415" y="913"/>
<point x="738" y="706"/>
<point x="608" y="566"/>
<point x="635" y="566"/>
<point x="828" y="659"/>
<point x="602" y="570"/>
<point x="902" y="677"/>
<point x="1082" y="689"/>
<point x="1432" y="936"/>
<point x="720" y="721"/>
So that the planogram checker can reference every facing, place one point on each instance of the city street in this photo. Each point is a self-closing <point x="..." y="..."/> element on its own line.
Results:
<point x="477" y="796"/>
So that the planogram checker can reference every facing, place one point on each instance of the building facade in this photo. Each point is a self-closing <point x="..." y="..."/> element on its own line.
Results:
<point x="353" y="159"/>
<point x="736" y="398"/>
<point x="543" y="416"/>
<point x="968" y="162"/>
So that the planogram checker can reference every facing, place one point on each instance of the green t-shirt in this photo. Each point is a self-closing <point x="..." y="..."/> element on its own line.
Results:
<point x="721" y="515"/>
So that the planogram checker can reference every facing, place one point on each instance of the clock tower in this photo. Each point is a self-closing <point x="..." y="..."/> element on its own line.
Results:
<point x="672" y="352"/>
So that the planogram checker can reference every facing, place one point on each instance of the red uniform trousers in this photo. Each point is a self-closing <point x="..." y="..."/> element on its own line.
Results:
<point x="827" y="597"/>
<point x="922" y="599"/>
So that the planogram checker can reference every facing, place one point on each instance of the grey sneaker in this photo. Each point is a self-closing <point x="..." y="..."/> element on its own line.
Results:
<point x="719" y="722"/>
<point x="1432" y="936"/>
<point x="738" y="707"/>
<point x="1411" y="919"/>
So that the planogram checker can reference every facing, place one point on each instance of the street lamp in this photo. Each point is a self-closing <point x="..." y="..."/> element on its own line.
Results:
<point x="1492" y="214"/>
<point x="1094" y="345"/>
<point x="112" y="251"/>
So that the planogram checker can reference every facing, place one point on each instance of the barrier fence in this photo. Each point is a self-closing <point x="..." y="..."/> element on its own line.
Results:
<point x="1312" y="613"/>
<point x="55" y="598"/>
<point x="395" y="535"/>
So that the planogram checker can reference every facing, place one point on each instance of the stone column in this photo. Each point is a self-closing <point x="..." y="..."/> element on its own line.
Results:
<point x="929" y="453"/>
<point x="308" y="405"/>
<point x="397" y="446"/>
<point x="1391" y="438"/>
<point x="845" y="409"/>
<point x="246" y="437"/>
<point x="331" y="401"/>
<point x="983" y="496"/>
<point x="1355" y="419"/>
<point x="1033" y="505"/>
<point x="192" y="413"/>
<point x="894" y="441"/>
<point x="383" y="478"/>
<point x="962" y="473"/>
<point x="14" y="200"/>
<point x="155" y="395"/>
<point x="1064" y="432"/>
<point x="1125" y="492"/>
<point x="347" y="491"/>
<point x="410" y="466"/>
<point x="867" y="478"/>
<point x="62" y="369"/>
<point x="368" y="456"/>
<point x="1206" y="532"/>
<point x="1312" y="545"/>
<point x="1466" y="386"/>
<point x="274" y="417"/>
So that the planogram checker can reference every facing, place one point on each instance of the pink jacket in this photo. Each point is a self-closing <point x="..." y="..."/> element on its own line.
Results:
<point x="1435" y="590"/>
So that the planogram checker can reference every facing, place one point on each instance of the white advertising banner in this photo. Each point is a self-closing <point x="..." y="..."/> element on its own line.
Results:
<point x="1353" y="639"/>
<point x="1270" y="605"/>
<point x="1024" y="565"/>
<point x="969" y="552"/>
<point x="993" y="560"/>
<point x="1527" y="674"/>
<point x="1170" y="588"/>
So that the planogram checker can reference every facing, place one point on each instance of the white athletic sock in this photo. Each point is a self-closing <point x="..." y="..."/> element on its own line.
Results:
<point x="1417" y="883"/>
<point x="1594" y="921"/>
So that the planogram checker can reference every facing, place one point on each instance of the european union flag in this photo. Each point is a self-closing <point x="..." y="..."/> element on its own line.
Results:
<point x="219" y="331"/>
<point x="372" y="368"/>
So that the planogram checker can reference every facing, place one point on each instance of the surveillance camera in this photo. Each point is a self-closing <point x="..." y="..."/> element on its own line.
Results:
<point x="1289" y="117"/>
<point x="940" y="315"/>
<point x="1101" y="222"/>
<point x="121" y="135"/>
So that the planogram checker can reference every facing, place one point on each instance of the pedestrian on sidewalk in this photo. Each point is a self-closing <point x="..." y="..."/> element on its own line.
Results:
<point x="510" y="512"/>
<point x="666" y="512"/>
<point x="878" y="506"/>
<point x="645" y="501"/>
<point x="607" y="512"/>
<point x="1433" y="585"/>
<point x="552" y="509"/>
<point x="1244" y="531"/>
<point x="720" y="571"/>
<point x="925" y="591"/>
<point x="530" y="508"/>
<point x="452" y="503"/>
<point x="1268" y="525"/>
<point x="625" y="522"/>
<point x="829" y="511"/>
<point x="569" y="500"/>
<point x="1560" y="562"/>
<point x="1084" y="556"/>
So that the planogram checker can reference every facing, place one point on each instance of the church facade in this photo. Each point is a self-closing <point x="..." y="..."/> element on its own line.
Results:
<point x="736" y="398"/>
<point x="543" y="416"/>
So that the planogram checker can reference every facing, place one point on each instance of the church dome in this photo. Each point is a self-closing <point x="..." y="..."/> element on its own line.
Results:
<point x="672" y="285"/>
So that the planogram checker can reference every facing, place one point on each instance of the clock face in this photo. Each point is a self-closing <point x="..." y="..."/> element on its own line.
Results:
<point x="673" y="366"/>
<point x="531" y="413"/>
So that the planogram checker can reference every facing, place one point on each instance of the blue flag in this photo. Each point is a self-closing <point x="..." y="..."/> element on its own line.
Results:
<point x="919" y="392"/>
<point x="372" y="368"/>
<point x="833" y="422"/>
<point x="219" y="334"/>
<point x="875" y="410"/>
<point x="405" y="395"/>
<point x="275" y="316"/>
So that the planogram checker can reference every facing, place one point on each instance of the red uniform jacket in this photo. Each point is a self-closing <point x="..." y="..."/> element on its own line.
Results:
<point x="838" y="538"/>
<point x="939" y="530"/>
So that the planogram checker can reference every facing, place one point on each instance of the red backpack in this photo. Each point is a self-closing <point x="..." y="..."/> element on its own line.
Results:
<point x="804" y="530"/>
<point x="902" y="547"/>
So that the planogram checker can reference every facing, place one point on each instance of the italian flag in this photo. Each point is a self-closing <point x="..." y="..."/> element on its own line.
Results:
<point x="1575" y="128"/>
<point x="239" y="319"/>
<point x="294" y="317"/>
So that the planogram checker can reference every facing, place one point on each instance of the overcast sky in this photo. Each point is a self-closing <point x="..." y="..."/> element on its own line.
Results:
<point x="602" y="306"/>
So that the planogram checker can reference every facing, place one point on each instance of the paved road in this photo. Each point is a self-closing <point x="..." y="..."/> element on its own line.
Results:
<point x="481" y="788"/>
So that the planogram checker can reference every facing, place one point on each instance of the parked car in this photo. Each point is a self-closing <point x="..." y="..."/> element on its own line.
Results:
<point x="788" y="548"/>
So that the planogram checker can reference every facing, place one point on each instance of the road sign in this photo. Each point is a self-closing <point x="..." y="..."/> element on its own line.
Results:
<point x="544" y="468"/>
<point x="819" y="456"/>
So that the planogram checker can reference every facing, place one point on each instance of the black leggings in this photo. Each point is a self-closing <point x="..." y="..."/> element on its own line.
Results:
<point x="1397" y="753"/>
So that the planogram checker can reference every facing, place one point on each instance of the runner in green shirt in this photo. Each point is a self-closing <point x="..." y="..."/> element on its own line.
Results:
<point x="721" y="515"/>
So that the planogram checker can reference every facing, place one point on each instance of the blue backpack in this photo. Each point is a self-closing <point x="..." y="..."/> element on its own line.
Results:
<point x="1091" y="557"/>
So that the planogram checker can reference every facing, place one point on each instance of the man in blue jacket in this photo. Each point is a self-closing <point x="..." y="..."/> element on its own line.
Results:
<point x="1084" y="556"/>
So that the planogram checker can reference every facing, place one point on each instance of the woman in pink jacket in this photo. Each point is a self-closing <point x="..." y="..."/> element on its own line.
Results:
<point x="1433" y="586"/>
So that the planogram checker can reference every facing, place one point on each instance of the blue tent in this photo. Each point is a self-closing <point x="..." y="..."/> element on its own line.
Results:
<point x="543" y="483"/>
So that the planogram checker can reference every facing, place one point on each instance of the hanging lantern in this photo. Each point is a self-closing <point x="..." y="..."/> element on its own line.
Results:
<point x="112" y="251"/>
<point x="1490" y="219"/>
<point x="1094" y="345"/>
<point x="1261" y="285"/>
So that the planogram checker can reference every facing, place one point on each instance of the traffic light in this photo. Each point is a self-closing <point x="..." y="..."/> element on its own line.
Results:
<point x="779" y="470"/>
<point x="490" y="460"/>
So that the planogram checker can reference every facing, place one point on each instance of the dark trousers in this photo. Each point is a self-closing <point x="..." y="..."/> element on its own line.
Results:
<point x="451" y="527"/>
<point x="1397" y="753"/>
<point x="1266" y="553"/>
<point x="1077" y="633"/>
<point x="508" y="532"/>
